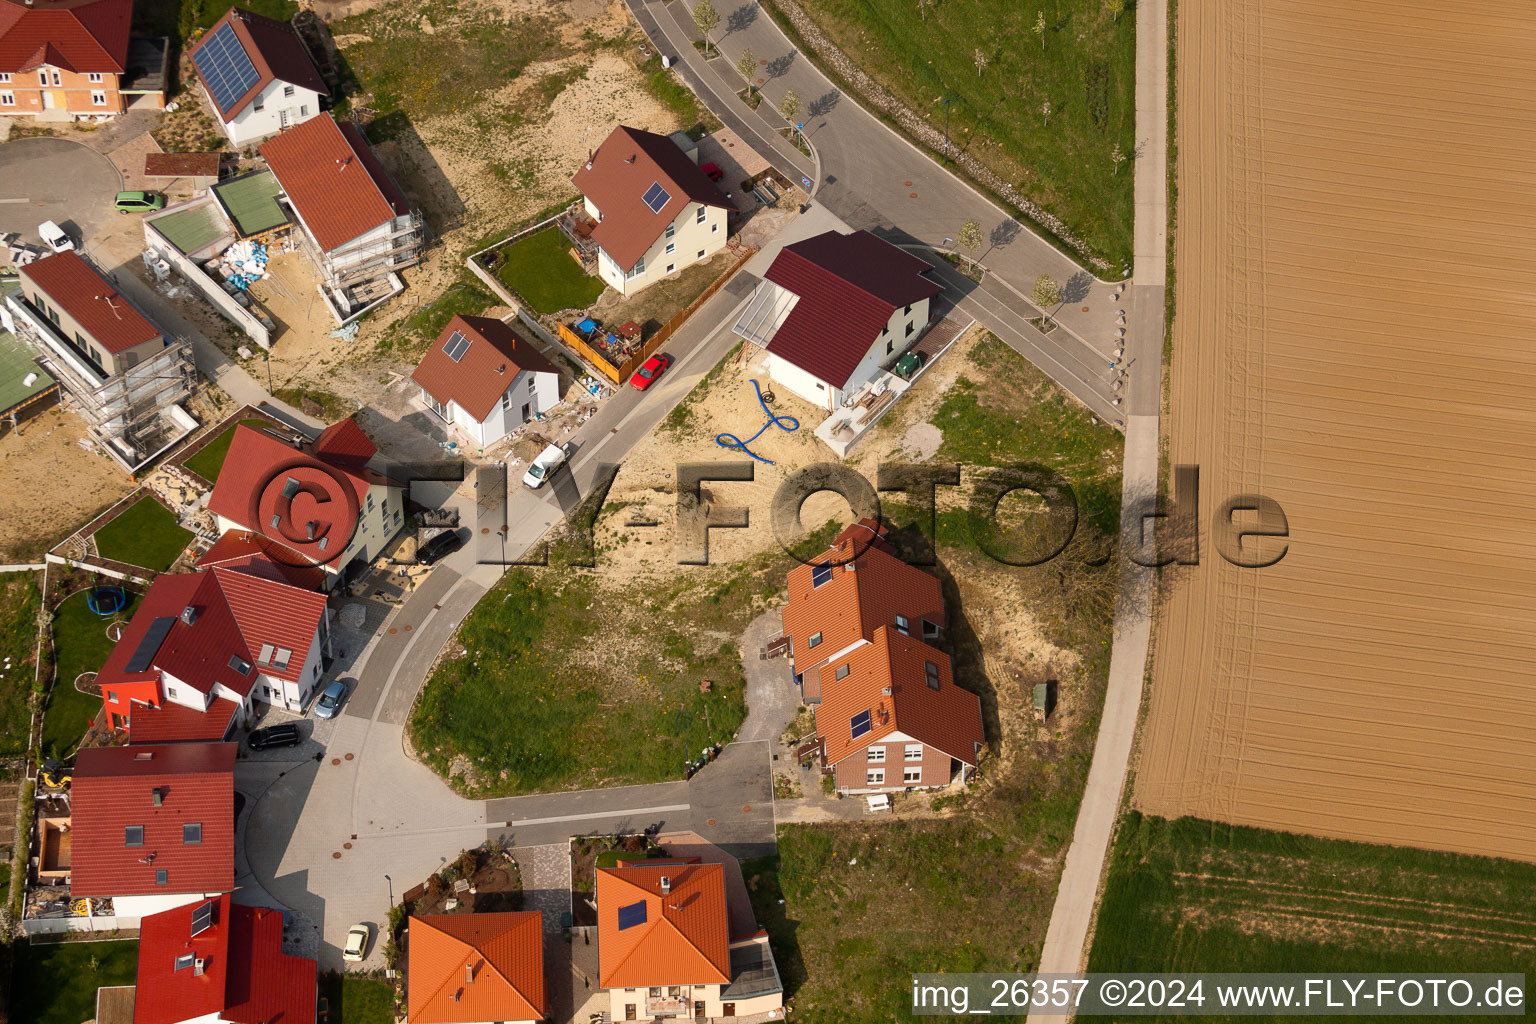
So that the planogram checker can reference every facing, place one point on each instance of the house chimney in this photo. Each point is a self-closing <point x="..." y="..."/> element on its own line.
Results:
<point x="469" y="973"/>
<point x="309" y="528"/>
<point x="189" y="614"/>
<point x="157" y="796"/>
<point x="197" y="967"/>
<point x="885" y="691"/>
<point x="666" y="884"/>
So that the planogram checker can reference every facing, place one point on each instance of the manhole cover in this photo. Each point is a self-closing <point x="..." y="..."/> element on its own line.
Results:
<point x="335" y="760"/>
<point x="393" y="631"/>
<point x="911" y="195"/>
<point x="907" y="183"/>
<point x="711" y="821"/>
<point x="747" y="809"/>
<point x="346" y="846"/>
<point x="336" y="855"/>
<point x="485" y="529"/>
<point x="1085" y="309"/>
<point x="347" y="756"/>
<point x="407" y="628"/>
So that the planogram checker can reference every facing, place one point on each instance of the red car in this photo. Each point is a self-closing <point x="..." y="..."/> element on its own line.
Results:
<point x="712" y="170"/>
<point x="648" y="373"/>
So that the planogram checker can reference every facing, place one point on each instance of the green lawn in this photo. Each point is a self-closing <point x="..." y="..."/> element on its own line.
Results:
<point x="567" y="684"/>
<point x="207" y="462"/>
<point x="356" y="1000"/>
<point x="1193" y="895"/>
<point x="541" y="270"/>
<point x="19" y="601"/>
<point x="1085" y="69"/>
<point x="146" y="534"/>
<point x="57" y="983"/>
<point x="80" y="645"/>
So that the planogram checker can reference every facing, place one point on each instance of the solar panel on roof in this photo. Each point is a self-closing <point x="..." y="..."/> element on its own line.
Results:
<point x="859" y="724"/>
<point x="656" y="197"/>
<point x="226" y="70"/>
<point x="820" y="574"/>
<point x="632" y="915"/>
<point x="202" y="918"/>
<point x="456" y="347"/>
<point x="154" y="636"/>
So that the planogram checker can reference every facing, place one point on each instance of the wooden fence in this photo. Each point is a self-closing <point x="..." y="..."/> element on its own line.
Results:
<point x="620" y="374"/>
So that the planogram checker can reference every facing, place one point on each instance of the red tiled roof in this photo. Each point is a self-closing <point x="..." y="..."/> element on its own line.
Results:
<point x="851" y="605"/>
<point x="113" y="788"/>
<point x="246" y="976"/>
<point x="176" y="723"/>
<point x="264" y="985"/>
<point x="344" y="444"/>
<point x="237" y="613"/>
<point x="683" y="936"/>
<point x="477" y="381"/>
<point x="166" y="995"/>
<point x="252" y="553"/>
<point x="333" y="180"/>
<point x="616" y="179"/>
<point x="85" y="36"/>
<point x="252" y="481"/>
<point x="181" y="165"/>
<point x="948" y="719"/>
<point x="472" y="967"/>
<point x="275" y="50"/>
<point x="849" y="285"/>
<point x="80" y="290"/>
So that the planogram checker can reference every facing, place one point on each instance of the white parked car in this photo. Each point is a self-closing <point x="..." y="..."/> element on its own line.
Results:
<point x="54" y="237"/>
<point x="544" y="467"/>
<point x="357" y="943"/>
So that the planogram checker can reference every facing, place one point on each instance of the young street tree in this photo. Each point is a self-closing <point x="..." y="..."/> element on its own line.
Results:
<point x="924" y="6"/>
<point x="1045" y="112"/>
<point x="1117" y="156"/>
<point x="746" y="66"/>
<point x="981" y="60"/>
<point x="1114" y="8"/>
<point x="707" y="19"/>
<point x="969" y="236"/>
<point x="789" y="106"/>
<point x="1047" y="294"/>
<point x="1039" y="28"/>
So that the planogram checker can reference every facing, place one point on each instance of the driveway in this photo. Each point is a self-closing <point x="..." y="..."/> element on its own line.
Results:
<point x="58" y="180"/>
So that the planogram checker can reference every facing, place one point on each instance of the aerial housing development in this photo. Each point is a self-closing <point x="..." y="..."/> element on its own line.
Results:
<point x="792" y="511"/>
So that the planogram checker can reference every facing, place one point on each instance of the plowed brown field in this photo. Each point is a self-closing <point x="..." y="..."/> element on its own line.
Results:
<point x="1356" y="337"/>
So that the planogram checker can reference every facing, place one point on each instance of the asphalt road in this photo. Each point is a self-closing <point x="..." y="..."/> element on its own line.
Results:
<point x="57" y="180"/>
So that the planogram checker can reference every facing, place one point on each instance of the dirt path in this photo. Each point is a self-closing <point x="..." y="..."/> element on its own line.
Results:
<point x="1342" y="176"/>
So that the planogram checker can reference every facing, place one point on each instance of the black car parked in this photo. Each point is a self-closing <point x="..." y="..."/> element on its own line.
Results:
<point x="285" y="734"/>
<point x="439" y="546"/>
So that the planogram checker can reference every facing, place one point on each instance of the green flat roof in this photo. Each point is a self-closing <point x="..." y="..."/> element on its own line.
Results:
<point x="192" y="228"/>
<point x="252" y="203"/>
<point x="15" y="364"/>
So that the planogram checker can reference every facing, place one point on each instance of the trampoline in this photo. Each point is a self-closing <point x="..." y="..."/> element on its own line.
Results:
<point x="105" y="601"/>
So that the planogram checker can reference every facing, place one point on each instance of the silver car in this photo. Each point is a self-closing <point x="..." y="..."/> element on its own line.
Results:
<point x="329" y="704"/>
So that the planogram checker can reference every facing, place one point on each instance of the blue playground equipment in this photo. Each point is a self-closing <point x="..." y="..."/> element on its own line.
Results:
<point x="732" y="441"/>
<point x="106" y="601"/>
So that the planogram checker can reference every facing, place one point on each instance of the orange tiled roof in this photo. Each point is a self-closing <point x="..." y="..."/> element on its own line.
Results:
<point x="680" y="938"/>
<point x="473" y="967"/>
<point x="947" y="718"/>
<point x="868" y="587"/>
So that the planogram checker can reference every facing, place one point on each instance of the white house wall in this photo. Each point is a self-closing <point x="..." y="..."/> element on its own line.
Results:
<point x="134" y="908"/>
<point x="251" y="125"/>
<point x="544" y="394"/>
<point x="689" y="238"/>
<point x="827" y="396"/>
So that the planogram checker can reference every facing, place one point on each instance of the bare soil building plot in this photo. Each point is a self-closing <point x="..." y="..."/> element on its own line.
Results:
<point x="1353" y="339"/>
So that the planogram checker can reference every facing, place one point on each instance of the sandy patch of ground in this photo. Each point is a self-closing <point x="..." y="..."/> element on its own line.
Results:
<point x="50" y="485"/>
<point x="1375" y="683"/>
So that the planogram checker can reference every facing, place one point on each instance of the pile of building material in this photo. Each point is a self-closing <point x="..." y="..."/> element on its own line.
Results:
<point x="242" y="263"/>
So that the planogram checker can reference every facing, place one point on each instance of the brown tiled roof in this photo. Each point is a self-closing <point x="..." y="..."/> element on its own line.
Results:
<point x="333" y="180"/>
<point x="469" y="967"/>
<point x="84" y="36"/>
<point x="616" y="179"/>
<point x="854" y="602"/>
<point x="80" y="290"/>
<point x="947" y="718"/>
<point x="181" y="165"/>
<point x="275" y="50"/>
<point x="252" y="553"/>
<point x="680" y="938"/>
<point x="176" y="723"/>
<point x="476" y="382"/>
<point x="849" y="286"/>
<point x="344" y="443"/>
